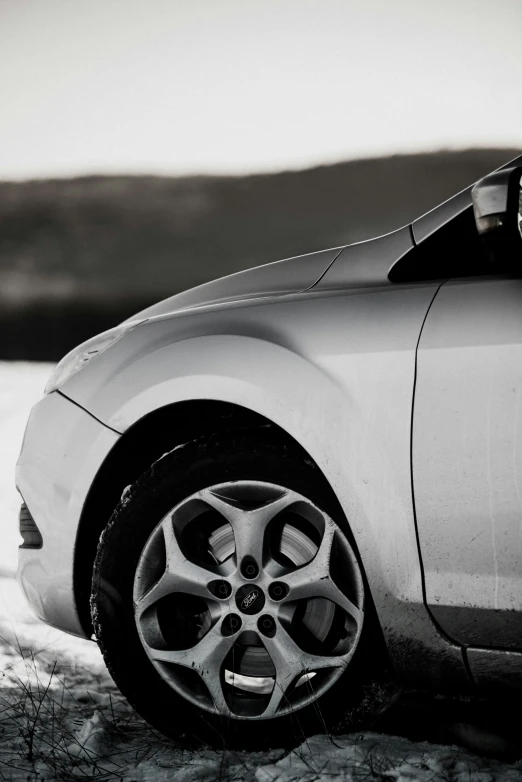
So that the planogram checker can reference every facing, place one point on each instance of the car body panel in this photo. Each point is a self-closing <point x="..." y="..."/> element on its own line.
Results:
<point x="291" y="275"/>
<point x="62" y="450"/>
<point x="367" y="263"/>
<point x="467" y="460"/>
<point x="321" y="366"/>
<point x="495" y="671"/>
<point x="363" y="264"/>
<point x="426" y="225"/>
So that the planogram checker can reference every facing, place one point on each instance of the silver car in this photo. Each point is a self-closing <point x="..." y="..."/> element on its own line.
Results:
<point x="262" y="493"/>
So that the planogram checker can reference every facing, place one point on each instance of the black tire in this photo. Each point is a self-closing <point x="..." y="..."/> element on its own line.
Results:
<point x="259" y="455"/>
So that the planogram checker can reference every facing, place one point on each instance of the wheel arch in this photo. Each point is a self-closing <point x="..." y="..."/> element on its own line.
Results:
<point x="223" y="382"/>
<point x="139" y="446"/>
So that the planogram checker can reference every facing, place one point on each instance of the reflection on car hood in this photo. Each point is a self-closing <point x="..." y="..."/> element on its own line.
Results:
<point x="292" y="275"/>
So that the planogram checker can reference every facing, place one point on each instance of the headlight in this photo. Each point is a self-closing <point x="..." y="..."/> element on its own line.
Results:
<point x="80" y="356"/>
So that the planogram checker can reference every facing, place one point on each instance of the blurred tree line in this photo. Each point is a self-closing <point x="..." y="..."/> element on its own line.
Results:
<point x="77" y="256"/>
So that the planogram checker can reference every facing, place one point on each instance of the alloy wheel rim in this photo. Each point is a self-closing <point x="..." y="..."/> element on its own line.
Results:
<point x="248" y="600"/>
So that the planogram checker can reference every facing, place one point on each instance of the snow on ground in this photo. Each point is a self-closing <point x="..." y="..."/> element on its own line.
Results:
<point x="61" y="717"/>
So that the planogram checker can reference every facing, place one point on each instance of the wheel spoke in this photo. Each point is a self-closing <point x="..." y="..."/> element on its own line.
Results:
<point x="291" y="662"/>
<point x="249" y="525"/>
<point x="314" y="579"/>
<point x="278" y="696"/>
<point x="181" y="575"/>
<point x="302" y="587"/>
<point x="206" y="657"/>
<point x="165" y="586"/>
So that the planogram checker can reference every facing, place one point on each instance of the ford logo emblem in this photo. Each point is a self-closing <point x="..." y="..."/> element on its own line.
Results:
<point x="249" y="600"/>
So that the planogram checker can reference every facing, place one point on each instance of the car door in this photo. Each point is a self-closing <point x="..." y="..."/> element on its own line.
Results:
<point x="467" y="460"/>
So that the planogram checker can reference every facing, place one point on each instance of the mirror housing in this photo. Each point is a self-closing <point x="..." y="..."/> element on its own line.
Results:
<point x="497" y="209"/>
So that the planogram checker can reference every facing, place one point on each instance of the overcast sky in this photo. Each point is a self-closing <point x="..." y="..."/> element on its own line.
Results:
<point x="184" y="86"/>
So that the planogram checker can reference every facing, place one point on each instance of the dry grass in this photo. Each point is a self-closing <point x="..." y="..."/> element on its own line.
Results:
<point x="64" y="724"/>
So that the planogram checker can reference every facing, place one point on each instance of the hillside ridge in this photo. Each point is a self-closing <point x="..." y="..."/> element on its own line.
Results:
<point x="106" y="246"/>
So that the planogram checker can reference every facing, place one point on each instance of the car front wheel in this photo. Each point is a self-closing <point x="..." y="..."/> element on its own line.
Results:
<point x="228" y="600"/>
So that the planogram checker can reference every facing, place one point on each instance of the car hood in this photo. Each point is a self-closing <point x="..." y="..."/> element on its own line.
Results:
<point x="292" y="275"/>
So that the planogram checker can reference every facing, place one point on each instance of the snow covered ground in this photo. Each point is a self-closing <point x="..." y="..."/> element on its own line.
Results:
<point x="61" y="716"/>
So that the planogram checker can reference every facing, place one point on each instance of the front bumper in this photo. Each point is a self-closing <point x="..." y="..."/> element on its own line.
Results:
<point x="63" y="449"/>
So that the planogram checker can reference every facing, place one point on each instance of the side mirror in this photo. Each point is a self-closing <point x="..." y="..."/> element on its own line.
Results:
<point x="497" y="206"/>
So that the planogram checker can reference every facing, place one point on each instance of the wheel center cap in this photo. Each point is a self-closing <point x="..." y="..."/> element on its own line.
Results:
<point x="250" y="599"/>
